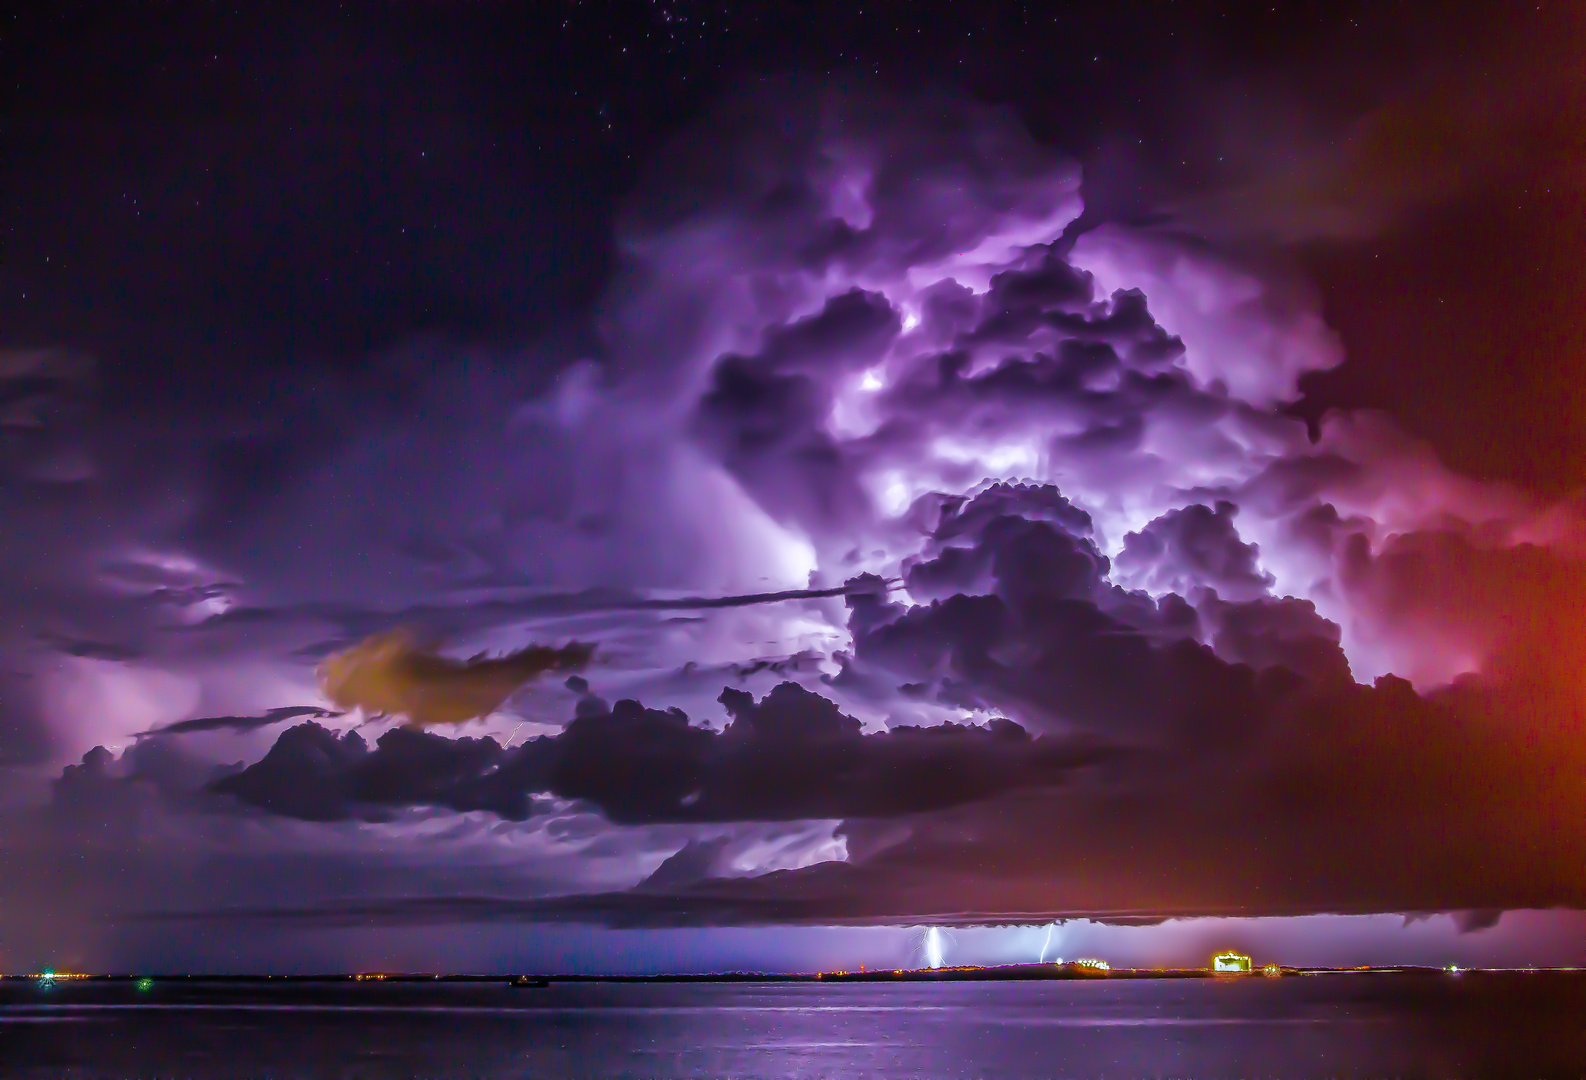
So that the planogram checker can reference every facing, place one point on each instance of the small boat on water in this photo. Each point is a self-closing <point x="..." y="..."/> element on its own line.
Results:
<point x="528" y="982"/>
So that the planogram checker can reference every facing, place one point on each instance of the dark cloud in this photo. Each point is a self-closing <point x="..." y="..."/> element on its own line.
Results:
<point x="1367" y="799"/>
<point x="244" y="723"/>
<point x="1269" y="632"/>
<point x="692" y="863"/>
<point x="768" y="428"/>
<point x="1044" y="341"/>
<point x="1471" y="922"/>
<point x="354" y="623"/>
<point x="849" y="331"/>
<point x="94" y="650"/>
<point x="1194" y="547"/>
<point x="312" y="774"/>
<point x="1024" y="618"/>
<point x="105" y="800"/>
<point x="792" y="755"/>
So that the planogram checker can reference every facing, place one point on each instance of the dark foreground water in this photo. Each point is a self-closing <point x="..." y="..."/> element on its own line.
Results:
<point x="1377" y="1025"/>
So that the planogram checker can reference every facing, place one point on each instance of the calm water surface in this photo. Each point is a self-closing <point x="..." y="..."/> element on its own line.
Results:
<point x="1474" y="1025"/>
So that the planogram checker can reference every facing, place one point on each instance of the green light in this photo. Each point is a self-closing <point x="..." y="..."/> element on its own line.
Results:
<point x="145" y="983"/>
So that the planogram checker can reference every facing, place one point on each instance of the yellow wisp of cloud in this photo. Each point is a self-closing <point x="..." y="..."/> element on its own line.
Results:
<point x="393" y="674"/>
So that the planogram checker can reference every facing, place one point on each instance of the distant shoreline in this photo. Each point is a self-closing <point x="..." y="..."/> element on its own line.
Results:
<point x="1009" y="973"/>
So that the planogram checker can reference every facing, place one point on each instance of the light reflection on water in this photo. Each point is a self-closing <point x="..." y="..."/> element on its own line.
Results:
<point x="1412" y="1025"/>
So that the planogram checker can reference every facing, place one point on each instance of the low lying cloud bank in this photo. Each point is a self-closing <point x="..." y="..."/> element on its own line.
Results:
<point x="791" y="755"/>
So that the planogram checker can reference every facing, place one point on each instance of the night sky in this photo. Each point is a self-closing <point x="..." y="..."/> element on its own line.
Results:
<point x="641" y="486"/>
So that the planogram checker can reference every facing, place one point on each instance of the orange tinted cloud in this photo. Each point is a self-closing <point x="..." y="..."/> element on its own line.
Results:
<point x="393" y="674"/>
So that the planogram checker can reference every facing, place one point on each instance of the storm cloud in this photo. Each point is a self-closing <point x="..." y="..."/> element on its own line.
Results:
<point x="1034" y="595"/>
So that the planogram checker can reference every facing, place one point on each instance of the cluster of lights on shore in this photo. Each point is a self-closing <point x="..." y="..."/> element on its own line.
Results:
<point x="47" y="979"/>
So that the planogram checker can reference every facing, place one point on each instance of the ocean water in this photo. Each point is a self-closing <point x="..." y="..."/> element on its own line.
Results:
<point x="1357" y="1025"/>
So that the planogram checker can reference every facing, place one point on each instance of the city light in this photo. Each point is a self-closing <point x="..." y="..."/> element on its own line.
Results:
<point x="1231" y="963"/>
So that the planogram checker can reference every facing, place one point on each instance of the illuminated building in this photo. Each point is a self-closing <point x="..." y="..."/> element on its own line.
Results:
<point x="1230" y="962"/>
<point x="1093" y="964"/>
